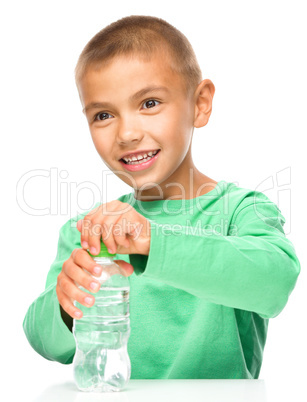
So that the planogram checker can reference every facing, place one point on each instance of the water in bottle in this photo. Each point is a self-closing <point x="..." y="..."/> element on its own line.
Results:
<point x="101" y="362"/>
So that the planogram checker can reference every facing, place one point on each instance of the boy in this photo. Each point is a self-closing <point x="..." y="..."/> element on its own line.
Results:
<point x="208" y="262"/>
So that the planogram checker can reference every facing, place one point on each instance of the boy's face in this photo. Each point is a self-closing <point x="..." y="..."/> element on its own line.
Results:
<point x="128" y="123"/>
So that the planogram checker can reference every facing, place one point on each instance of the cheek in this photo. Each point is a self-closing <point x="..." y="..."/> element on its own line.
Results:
<point x="179" y="117"/>
<point x="100" y="144"/>
<point x="97" y="136"/>
<point x="167" y="126"/>
<point x="178" y="131"/>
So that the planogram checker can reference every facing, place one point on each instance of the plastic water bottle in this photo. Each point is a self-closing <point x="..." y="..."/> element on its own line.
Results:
<point x="101" y="362"/>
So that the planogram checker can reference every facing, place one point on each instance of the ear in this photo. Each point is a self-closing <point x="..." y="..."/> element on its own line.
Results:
<point x="203" y="103"/>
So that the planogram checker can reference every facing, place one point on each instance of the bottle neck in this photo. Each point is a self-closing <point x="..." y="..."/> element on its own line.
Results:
<point x="104" y="260"/>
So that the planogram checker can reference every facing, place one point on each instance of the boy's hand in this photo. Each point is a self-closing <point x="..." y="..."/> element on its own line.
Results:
<point x="122" y="229"/>
<point x="72" y="274"/>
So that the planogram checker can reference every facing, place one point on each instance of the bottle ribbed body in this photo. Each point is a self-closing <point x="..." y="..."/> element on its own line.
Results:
<point x="101" y="362"/>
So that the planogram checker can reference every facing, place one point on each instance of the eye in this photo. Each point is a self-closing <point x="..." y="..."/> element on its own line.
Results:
<point x="150" y="103"/>
<point x="101" y="116"/>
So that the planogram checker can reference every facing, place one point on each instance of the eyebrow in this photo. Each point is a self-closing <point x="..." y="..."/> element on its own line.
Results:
<point x="138" y="94"/>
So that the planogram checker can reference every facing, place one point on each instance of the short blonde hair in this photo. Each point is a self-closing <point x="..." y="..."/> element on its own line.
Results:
<point x="141" y="35"/>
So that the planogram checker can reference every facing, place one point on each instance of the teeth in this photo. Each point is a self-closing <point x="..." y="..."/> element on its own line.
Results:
<point x="139" y="157"/>
<point x="134" y="160"/>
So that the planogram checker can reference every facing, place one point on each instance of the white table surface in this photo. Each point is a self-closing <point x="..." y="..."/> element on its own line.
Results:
<point x="28" y="377"/>
<point x="180" y="390"/>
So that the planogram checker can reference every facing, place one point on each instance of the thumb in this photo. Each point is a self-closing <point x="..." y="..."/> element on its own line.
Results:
<point x="125" y="266"/>
<point x="79" y="225"/>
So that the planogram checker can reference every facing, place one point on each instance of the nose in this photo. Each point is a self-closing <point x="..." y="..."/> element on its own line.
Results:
<point x="129" y="130"/>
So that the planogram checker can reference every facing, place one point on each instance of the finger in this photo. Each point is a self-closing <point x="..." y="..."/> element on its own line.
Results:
<point x="102" y="227"/>
<point x="114" y="232"/>
<point x="82" y="258"/>
<point x="79" y="225"/>
<point x="94" y="231"/>
<point x="126" y="267"/>
<point x="108" y="234"/>
<point x="89" y="224"/>
<point x="81" y="277"/>
<point x="120" y="231"/>
<point x="68" y="305"/>
<point x="70" y="289"/>
<point x="85" y="225"/>
<point x="101" y="231"/>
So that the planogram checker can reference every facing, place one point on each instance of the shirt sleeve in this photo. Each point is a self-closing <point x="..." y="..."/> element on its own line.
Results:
<point x="254" y="267"/>
<point x="43" y="325"/>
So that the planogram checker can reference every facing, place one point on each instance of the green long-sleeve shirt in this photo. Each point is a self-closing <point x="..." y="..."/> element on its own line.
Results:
<point x="218" y="268"/>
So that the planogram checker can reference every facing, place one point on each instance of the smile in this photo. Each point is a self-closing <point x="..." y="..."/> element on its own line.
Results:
<point x="144" y="163"/>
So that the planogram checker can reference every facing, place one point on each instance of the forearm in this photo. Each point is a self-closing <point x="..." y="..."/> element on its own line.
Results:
<point x="46" y="331"/>
<point x="254" y="273"/>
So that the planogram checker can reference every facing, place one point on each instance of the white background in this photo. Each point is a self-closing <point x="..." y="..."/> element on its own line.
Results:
<point x="255" y="54"/>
